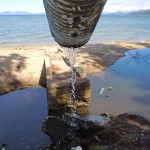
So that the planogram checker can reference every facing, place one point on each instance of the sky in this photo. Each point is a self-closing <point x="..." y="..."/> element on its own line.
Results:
<point x="36" y="6"/>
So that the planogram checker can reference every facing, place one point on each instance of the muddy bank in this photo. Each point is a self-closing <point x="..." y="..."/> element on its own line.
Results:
<point x="126" y="131"/>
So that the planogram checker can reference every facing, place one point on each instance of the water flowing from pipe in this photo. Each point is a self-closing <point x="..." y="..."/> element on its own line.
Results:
<point x="72" y="56"/>
<point x="73" y="64"/>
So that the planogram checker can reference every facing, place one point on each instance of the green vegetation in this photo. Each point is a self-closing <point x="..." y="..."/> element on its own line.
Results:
<point x="98" y="147"/>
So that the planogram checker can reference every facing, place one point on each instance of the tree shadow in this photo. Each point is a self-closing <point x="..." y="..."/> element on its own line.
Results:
<point x="9" y="66"/>
<point x="145" y="44"/>
<point x="42" y="80"/>
<point x="100" y="56"/>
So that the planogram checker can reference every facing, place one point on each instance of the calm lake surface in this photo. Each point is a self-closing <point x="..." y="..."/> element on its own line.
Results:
<point x="130" y="79"/>
<point x="34" y="30"/>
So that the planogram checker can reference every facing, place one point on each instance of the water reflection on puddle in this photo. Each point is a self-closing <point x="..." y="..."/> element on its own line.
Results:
<point x="130" y="79"/>
<point x="22" y="113"/>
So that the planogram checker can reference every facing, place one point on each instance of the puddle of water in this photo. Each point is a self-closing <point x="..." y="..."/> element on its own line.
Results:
<point x="22" y="113"/>
<point x="130" y="79"/>
<point x="97" y="119"/>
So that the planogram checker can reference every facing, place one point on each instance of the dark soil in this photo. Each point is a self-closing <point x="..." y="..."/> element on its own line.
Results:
<point x="126" y="131"/>
<point x="123" y="132"/>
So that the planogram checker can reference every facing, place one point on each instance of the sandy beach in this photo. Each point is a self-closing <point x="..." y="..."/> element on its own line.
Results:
<point x="22" y="66"/>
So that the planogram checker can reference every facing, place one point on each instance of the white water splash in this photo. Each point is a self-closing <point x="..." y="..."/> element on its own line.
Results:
<point x="73" y="64"/>
<point x="72" y="56"/>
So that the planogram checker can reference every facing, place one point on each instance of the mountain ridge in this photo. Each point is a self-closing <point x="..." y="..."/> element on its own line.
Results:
<point x="142" y="11"/>
<point x="20" y="13"/>
<point x="147" y="11"/>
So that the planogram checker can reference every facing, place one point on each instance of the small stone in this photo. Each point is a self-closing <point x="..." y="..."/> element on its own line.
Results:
<point x="107" y="95"/>
<point x="76" y="148"/>
<point x="105" y="114"/>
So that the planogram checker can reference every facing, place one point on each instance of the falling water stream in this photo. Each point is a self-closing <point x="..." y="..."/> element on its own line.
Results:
<point x="72" y="57"/>
<point x="73" y="64"/>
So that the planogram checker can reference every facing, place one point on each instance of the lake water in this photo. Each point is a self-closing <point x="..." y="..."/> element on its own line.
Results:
<point x="130" y="79"/>
<point x="34" y="30"/>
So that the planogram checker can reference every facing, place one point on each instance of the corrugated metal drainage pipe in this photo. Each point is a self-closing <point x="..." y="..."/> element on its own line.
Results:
<point x="72" y="22"/>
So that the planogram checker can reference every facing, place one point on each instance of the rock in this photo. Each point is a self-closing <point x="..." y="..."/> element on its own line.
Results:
<point x="2" y="146"/>
<point x="57" y="128"/>
<point x="107" y="95"/>
<point x="76" y="148"/>
<point x="70" y="131"/>
<point x="105" y="114"/>
<point x="88" y="128"/>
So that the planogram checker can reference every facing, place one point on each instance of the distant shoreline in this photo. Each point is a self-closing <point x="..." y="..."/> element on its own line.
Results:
<point x="103" y="14"/>
<point x="24" y="15"/>
<point x="143" y="11"/>
<point x="135" y="43"/>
